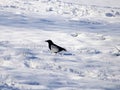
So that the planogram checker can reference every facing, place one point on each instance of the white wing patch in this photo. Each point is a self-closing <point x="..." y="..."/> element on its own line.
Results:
<point x="54" y="48"/>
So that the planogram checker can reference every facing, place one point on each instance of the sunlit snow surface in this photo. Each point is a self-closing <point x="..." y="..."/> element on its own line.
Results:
<point x="90" y="33"/>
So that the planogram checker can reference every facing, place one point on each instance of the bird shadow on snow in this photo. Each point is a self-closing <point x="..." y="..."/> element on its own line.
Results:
<point x="66" y="53"/>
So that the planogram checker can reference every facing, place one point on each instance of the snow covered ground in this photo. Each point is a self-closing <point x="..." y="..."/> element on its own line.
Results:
<point x="89" y="31"/>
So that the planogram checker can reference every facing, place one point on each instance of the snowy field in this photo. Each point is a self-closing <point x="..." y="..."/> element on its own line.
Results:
<point x="90" y="31"/>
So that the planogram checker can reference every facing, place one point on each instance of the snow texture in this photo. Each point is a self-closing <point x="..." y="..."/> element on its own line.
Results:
<point x="90" y="31"/>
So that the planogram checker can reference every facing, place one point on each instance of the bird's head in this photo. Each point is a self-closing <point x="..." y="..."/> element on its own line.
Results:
<point x="49" y="41"/>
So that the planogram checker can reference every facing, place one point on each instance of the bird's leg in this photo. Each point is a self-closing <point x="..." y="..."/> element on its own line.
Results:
<point x="61" y="54"/>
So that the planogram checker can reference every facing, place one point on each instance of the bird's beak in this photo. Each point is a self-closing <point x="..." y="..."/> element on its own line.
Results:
<point x="45" y="40"/>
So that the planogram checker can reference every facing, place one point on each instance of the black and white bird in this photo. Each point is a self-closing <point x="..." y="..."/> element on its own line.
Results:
<point x="54" y="48"/>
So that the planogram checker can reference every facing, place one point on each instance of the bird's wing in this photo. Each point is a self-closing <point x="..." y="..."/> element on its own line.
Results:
<point x="54" y="48"/>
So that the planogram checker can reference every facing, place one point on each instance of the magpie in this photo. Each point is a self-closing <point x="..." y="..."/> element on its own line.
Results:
<point x="54" y="48"/>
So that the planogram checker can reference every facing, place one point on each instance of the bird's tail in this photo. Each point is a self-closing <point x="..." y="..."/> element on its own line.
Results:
<point x="64" y="49"/>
